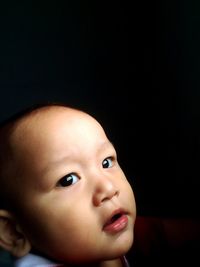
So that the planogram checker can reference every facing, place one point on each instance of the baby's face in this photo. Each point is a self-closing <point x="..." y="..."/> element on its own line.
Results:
<point x="75" y="203"/>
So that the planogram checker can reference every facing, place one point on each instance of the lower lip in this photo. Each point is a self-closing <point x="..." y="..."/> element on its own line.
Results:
<point x="118" y="225"/>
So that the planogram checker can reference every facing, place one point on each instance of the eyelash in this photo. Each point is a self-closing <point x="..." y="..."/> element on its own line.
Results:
<point x="68" y="179"/>
<point x="108" y="160"/>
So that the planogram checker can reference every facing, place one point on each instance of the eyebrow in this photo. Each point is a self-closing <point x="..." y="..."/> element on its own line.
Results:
<point x="102" y="146"/>
<point x="106" y="144"/>
<point x="54" y="162"/>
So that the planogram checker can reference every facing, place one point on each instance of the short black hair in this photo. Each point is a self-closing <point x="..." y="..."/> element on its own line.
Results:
<point x="27" y="110"/>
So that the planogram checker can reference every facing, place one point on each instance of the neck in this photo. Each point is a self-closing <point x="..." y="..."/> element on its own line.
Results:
<point x="119" y="262"/>
<point x="110" y="263"/>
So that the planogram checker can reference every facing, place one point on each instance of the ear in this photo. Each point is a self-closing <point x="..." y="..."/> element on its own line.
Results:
<point x="12" y="237"/>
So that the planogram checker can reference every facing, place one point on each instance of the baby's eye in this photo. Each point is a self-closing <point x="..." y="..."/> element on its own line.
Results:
<point x="68" y="180"/>
<point x="107" y="163"/>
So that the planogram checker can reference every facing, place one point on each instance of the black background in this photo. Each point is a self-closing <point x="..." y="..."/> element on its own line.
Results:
<point x="134" y="66"/>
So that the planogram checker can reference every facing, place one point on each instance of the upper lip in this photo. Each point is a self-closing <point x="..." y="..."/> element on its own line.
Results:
<point x="110" y="218"/>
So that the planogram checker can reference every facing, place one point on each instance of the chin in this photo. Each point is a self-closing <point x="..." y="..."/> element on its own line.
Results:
<point x="124" y="246"/>
<point x="127" y="246"/>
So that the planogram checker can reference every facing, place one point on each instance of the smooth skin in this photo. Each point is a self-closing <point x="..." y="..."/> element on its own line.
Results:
<point x="68" y="186"/>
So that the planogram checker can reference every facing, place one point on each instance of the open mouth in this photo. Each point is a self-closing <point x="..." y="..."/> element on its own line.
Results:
<point x="117" y="222"/>
<point x="114" y="218"/>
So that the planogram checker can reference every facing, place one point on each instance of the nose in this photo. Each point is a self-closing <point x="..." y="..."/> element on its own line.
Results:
<point x="104" y="190"/>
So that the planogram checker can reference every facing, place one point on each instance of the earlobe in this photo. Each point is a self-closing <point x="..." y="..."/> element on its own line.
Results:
<point x="12" y="237"/>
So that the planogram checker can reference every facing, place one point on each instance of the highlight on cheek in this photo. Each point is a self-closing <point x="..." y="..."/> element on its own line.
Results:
<point x="68" y="180"/>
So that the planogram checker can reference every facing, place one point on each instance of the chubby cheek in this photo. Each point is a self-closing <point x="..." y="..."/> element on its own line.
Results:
<point x="69" y="236"/>
<point x="60" y="231"/>
<point x="128" y="198"/>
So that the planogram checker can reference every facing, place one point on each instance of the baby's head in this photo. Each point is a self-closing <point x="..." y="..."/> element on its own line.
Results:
<point x="65" y="195"/>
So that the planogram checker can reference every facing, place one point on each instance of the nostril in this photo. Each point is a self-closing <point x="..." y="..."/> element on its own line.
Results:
<point x="110" y="195"/>
<point x="117" y="193"/>
<point x="103" y="192"/>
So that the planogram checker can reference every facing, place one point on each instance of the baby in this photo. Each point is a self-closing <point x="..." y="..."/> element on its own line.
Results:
<point x="65" y="201"/>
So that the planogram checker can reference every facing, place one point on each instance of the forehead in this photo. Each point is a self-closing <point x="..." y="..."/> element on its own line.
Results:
<point x="52" y="125"/>
<point x="52" y="116"/>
